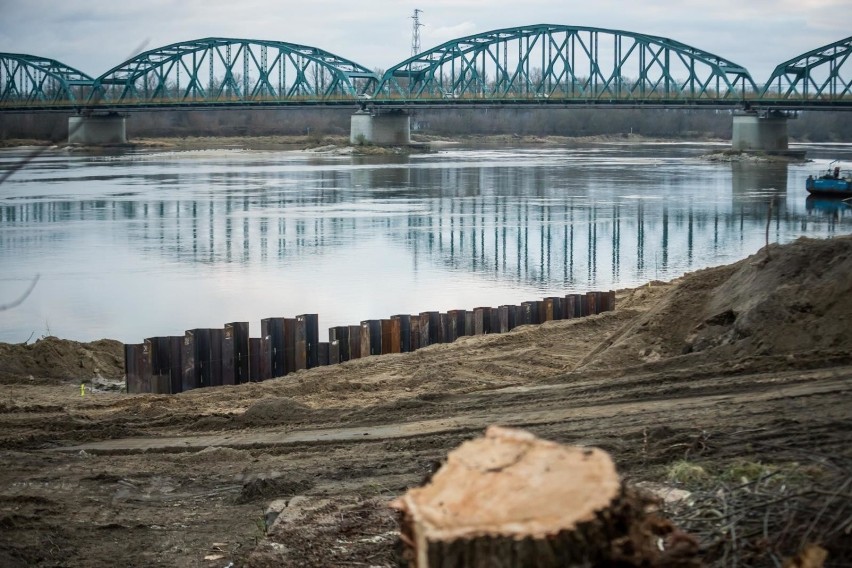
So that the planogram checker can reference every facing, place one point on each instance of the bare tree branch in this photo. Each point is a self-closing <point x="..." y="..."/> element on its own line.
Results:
<point x="20" y="300"/>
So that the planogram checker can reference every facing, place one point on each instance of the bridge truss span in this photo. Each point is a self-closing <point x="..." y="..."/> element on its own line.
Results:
<point x="223" y="70"/>
<point x="556" y="63"/>
<point x="31" y="80"/>
<point x="815" y="76"/>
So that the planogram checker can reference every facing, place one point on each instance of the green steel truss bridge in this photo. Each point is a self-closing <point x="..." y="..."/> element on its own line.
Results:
<point x="542" y="65"/>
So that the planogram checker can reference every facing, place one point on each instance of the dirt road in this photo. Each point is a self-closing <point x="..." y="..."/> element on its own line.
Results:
<point x="707" y="371"/>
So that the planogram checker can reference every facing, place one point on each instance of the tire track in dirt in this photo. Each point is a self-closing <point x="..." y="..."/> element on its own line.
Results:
<point x="841" y="386"/>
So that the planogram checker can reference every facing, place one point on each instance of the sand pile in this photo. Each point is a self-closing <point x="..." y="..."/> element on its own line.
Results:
<point x="783" y="300"/>
<point x="53" y="358"/>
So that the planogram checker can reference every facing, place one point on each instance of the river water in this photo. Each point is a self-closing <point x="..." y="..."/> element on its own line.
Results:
<point x="153" y="243"/>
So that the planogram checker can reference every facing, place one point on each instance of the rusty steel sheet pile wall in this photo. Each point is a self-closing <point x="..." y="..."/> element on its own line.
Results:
<point x="229" y="356"/>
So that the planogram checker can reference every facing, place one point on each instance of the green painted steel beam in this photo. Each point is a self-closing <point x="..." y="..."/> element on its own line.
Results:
<point x="819" y="74"/>
<point x="33" y="80"/>
<point x="238" y="70"/>
<point x="566" y="62"/>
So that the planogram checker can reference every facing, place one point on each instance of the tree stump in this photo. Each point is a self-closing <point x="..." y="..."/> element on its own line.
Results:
<point x="509" y="499"/>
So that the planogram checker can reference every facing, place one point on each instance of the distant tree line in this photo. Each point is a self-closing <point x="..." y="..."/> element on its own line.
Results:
<point x="814" y="126"/>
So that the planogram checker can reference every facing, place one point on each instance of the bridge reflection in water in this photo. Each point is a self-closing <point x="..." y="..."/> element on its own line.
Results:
<point x="535" y="221"/>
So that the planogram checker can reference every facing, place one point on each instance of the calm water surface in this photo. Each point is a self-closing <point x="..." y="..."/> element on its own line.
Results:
<point x="154" y="243"/>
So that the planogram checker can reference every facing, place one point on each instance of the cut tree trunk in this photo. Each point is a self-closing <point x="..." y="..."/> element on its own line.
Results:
<point x="510" y="499"/>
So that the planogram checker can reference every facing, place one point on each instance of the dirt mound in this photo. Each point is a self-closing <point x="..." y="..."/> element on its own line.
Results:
<point x="783" y="300"/>
<point x="274" y="410"/>
<point x="53" y="358"/>
<point x="265" y="488"/>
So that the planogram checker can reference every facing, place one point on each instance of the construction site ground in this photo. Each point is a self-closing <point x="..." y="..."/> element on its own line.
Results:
<point x="730" y="377"/>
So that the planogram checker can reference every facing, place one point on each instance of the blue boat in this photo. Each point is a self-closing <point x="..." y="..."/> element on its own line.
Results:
<point x="830" y="184"/>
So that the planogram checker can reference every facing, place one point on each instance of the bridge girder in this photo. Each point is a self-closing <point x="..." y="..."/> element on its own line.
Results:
<point x="814" y="75"/>
<point x="29" y="79"/>
<point x="560" y="62"/>
<point x="238" y="70"/>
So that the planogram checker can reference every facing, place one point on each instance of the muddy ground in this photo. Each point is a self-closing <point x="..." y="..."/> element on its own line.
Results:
<point x="731" y="383"/>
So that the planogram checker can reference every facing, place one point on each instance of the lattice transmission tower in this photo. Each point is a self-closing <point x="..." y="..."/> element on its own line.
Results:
<point x="415" y="32"/>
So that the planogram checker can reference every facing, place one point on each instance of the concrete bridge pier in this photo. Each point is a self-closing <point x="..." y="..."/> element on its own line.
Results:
<point x="766" y="132"/>
<point x="390" y="128"/>
<point x="97" y="129"/>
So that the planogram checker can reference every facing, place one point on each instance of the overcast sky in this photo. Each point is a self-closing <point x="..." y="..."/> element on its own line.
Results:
<point x="96" y="35"/>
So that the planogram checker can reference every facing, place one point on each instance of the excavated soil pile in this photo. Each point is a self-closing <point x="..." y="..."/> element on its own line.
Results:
<point x="54" y="358"/>
<point x="783" y="301"/>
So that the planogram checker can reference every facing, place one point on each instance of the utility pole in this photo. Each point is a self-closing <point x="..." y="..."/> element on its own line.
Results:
<point x="415" y="32"/>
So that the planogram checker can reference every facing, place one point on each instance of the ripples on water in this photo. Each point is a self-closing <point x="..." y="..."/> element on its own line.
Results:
<point x="146" y="244"/>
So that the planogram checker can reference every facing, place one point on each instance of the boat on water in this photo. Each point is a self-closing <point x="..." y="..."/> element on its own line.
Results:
<point x="830" y="184"/>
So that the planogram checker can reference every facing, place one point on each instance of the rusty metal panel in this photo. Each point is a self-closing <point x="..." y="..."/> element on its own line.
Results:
<point x="322" y="353"/>
<point x="605" y="301"/>
<point x="152" y="379"/>
<point x="365" y="339"/>
<point x="468" y="322"/>
<point x="495" y="320"/>
<point x="568" y="307"/>
<point x="175" y="363"/>
<point x="132" y="356"/>
<point x="228" y="357"/>
<point x="129" y="368"/>
<point x="354" y="342"/>
<point x="503" y="319"/>
<point x="159" y="364"/>
<point x="430" y="322"/>
<point x="530" y="313"/>
<point x="481" y="320"/>
<point x="371" y="338"/>
<point x="414" y="340"/>
<point x="289" y="326"/>
<point x="301" y="343"/>
<point x="150" y="366"/>
<point x="264" y="356"/>
<point x="188" y="380"/>
<point x="443" y="328"/>
<point x="425" y="338"/>
<point x="507" y="316"/>
<point x="557" y="307"/>
<point x="307" y="340"/>
<point x="390" y="336"/>
<point x="455" y="327"/>
<point x="581" y="308"/>
<point x="404" y="332"/>
<point x="254" y="359"/>
<point x="334" y="351"/>
<point x="273" y="330"/>
<point x="190" y="376"/>
<point x="591" y="304"/>
<point x="235" y="353"/>
<point x="341" y="335"/>
<point x="396" y="335"/>
<point x="546" y="310"/>
<point x="143" y="364"/>
<point x="215" y="360"/>
<point x="602" y="300"/>
<point x="202" y="357"/>
<point x="374" y="340"/>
